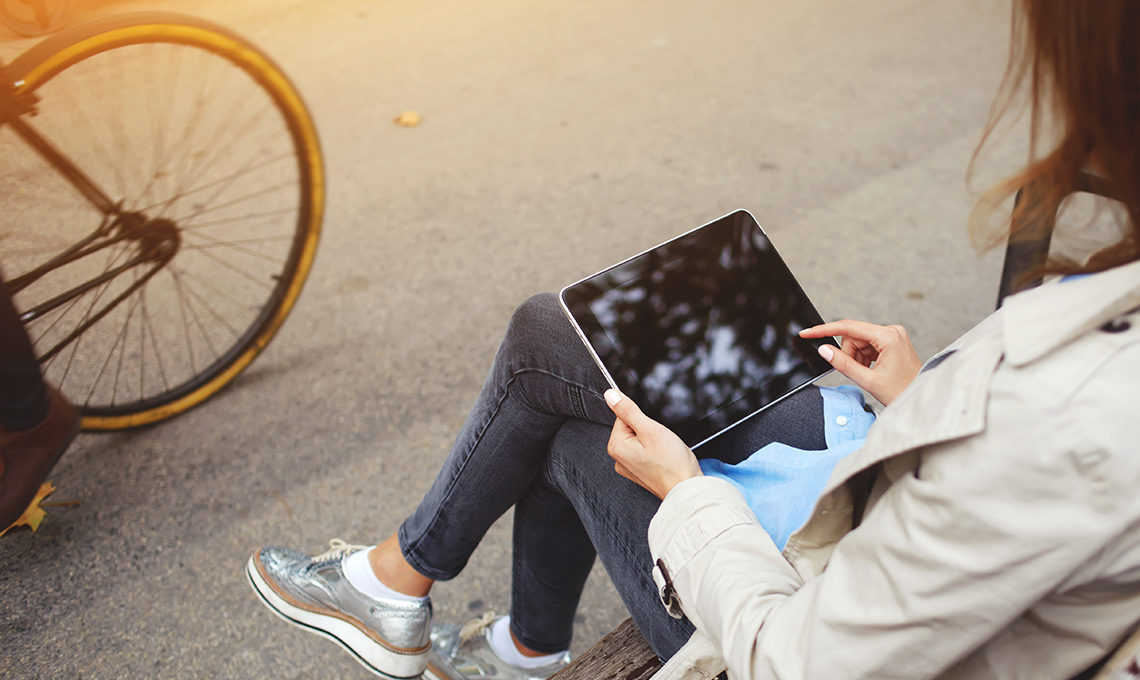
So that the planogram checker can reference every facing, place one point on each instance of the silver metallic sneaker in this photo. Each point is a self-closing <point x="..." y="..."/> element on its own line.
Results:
<point x="465" y="653"/>
<point x="391" y="638"/>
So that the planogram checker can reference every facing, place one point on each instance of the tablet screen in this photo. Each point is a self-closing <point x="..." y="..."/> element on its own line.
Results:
<point x="701" y="331"/>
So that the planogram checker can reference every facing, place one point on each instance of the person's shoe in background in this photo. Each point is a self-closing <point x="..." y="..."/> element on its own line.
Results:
<point x="27" y="456"/>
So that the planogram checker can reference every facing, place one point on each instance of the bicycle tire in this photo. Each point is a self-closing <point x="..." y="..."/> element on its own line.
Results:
<point x="157" y="36"/>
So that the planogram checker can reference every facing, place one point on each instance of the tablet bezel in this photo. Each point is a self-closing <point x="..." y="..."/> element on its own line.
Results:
<point x="816" y="365"/>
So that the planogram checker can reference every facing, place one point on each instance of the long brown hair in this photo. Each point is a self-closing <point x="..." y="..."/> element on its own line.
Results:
<point x="1078" y="63"/>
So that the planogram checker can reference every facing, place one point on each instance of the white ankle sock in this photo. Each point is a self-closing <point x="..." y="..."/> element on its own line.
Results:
<point x="505" y="648"/>
<point x="359" y="573"/>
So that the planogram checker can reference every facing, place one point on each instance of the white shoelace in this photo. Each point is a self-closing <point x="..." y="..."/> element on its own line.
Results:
<point x="337" y="547"/>
<point x="475" y="627"/>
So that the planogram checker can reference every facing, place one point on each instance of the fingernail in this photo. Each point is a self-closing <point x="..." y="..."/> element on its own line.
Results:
<point x="612" y="396"/>
<point x="826" y="351"/>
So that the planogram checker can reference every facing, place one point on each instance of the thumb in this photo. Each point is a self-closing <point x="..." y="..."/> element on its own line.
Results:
<point x="843" y="363"/>
<point x="626" y="411"/>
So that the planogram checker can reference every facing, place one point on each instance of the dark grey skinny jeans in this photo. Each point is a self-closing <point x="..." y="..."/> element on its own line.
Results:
<point x="536" y="440"/>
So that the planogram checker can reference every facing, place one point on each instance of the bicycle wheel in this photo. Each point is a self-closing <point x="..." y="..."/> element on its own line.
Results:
<point x="213" y="164"/>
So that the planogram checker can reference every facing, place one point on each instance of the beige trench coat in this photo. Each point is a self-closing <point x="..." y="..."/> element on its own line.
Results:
<point x="999" y="534"/>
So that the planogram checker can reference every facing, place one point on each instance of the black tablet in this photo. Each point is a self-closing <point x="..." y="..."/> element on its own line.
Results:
<point x="702" y="330"/>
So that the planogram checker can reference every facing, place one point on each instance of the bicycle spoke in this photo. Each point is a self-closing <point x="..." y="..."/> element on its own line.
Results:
<point x="90" y="133"/>
<point x="267" y="285"/>
<point x="233" y="246"/>
<point x="236" y="201"/>
<point x="191" y="141"/>
<point x="99" y="135"/>
<point x="219" y="145"/>
<point x="86" y="315"/>
<point x="154" y="343"/>
<point x="101" y="290"/>
<point x="195" y="226"/>
<point x="87" y="323"/>
<point x="119" y="138"/>
<point x="178" y="158"/>
<point x="122" y="355"/>
<point x="70" y="360"/>
<point x="221" y="188"/>
<point x="142" y="355"/>
<point x="217" y="317"/>
<point x="215" y="290"/>
<point x="197" y="320"/>
<point x="162" y="122"/>
<point x="185" y="323"/>
<point x="220" y="181"/>
<point x="34" y="184"/>
<point x="193" y="120"/>
<point x="106" y="362"/>
<point x="215" y="243"/>
<point x="112" y="261"/>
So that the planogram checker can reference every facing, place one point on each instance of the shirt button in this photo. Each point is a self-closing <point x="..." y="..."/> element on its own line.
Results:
<point x="1116" y="326"/>
<point x="841" y="421"/>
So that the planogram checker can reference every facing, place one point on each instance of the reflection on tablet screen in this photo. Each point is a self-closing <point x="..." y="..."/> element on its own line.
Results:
<point x="703" y="330"/>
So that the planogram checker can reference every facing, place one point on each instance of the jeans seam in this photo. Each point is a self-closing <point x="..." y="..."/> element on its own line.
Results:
<point x="577" y="397"/>
<point x="519" y="594"/>
<point x="413" y="546"/>
<point x="644" y="576"/>
<point x="595" y="508"/>
<point x="418" y="564"/>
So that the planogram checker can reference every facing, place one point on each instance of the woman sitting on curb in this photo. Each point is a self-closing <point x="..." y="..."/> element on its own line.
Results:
<point x="988" y="527"/>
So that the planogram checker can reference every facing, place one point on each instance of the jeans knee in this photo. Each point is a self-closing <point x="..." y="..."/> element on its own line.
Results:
<point x="536" y="309"/>
<point x="539" y="323"/>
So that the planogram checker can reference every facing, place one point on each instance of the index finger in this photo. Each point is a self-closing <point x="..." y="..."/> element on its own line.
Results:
<point x="848" y="328"/>
<point x="627" y="411"/>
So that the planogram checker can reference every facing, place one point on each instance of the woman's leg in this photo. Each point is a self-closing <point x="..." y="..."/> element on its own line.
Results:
<point x="551" y="556"/>
<point x="542" y="376"/>
<point x="580" y="496"/>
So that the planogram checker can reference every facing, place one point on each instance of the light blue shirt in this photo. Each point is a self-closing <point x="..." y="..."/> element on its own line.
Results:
<point x="782" y="483"/>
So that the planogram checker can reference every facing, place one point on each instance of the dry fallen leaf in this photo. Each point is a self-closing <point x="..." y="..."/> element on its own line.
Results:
<point x="33" y="514"/>
<point x="408" y="119"/>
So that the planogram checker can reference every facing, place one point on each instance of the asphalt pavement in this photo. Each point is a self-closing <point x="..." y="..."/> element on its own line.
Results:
<point x="556" y="139"/>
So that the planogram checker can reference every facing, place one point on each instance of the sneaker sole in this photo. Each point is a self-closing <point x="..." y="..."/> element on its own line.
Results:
<point x="438" y="672"/>
<point x="364" y="649"/>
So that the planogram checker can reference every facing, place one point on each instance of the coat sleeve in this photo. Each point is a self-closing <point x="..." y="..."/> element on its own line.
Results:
<point x="946" y="559"/>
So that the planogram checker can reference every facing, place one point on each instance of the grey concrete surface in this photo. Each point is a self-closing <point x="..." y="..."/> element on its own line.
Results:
<point x="557" y="139"/>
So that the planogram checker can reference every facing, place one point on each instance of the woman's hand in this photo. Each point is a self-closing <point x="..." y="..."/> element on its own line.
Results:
<point x="880" y="359"/>
<point x="645" y="451"/>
